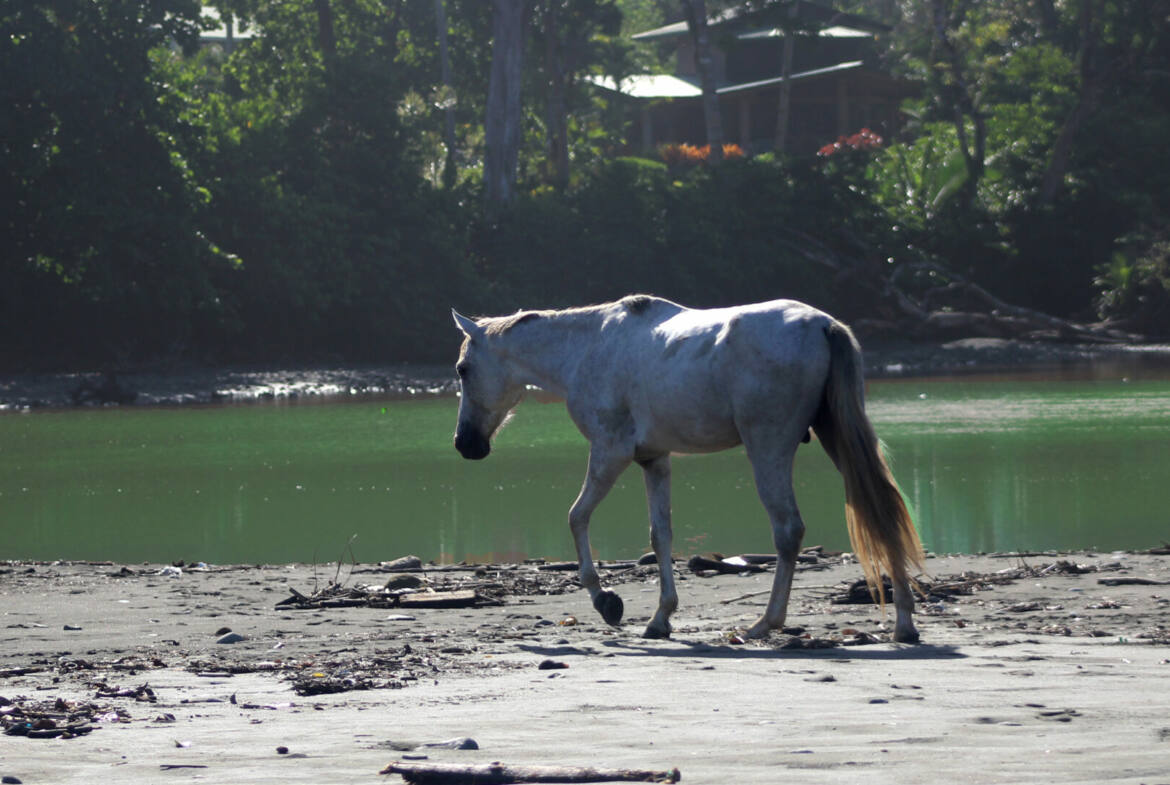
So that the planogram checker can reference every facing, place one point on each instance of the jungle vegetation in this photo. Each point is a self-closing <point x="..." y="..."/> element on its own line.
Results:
<point x="327" y="184"/>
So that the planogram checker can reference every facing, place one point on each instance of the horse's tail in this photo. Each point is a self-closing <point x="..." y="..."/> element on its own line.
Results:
<point x="880" y="527"/>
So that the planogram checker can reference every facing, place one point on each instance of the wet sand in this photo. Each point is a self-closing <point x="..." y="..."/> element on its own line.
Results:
<point x="1034" y="668"/>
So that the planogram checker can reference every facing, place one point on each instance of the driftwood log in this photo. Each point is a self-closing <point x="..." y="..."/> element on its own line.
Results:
<point x="440" y="599"/>
<point x="497" y="773"/>
<point x="699" y="563"/>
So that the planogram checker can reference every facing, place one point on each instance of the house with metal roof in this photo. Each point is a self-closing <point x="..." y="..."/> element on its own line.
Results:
<point x="836" y="85"/>
<point x="227" y="33"/>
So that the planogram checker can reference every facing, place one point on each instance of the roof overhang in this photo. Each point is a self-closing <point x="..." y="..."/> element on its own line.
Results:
<point x="680" y="28"/>
<point x="761" y="20"/>
<point x="836" y="31"/>
<point x="813" y="74"/>
<point x="647" y="86"/>
<point x="650" y="86"/>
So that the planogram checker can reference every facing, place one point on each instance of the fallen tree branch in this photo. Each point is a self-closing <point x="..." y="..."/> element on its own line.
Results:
<point x="747" y="596"/>
<point x="995" y="315"/>
<point x="497" y="773"/>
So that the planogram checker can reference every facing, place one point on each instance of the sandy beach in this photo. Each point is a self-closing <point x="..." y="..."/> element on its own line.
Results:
<point x="1033" y="668"/>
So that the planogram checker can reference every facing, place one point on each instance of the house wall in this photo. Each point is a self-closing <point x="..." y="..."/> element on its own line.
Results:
<point x="823" y="106"/>
<point x="756" y="59"/>
<point x="821" y="110"/>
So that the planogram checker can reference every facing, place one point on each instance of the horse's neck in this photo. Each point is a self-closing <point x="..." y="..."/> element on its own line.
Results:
<point x="546" y="353"/>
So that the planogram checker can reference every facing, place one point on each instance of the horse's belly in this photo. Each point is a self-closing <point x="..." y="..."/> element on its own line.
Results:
<point x="689" y="434"/>
<point x="711" y="442"/>
<point x="685" y="413"/>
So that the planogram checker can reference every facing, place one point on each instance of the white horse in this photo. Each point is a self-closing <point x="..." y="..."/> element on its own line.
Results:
<point x="644" y="377"/>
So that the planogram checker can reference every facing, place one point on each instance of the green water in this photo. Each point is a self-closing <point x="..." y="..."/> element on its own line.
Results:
<point x="988" y="465"/>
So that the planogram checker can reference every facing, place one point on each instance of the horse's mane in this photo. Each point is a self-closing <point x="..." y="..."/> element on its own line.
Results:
<point x="634" y="304"/>
<point x="501" y="324"/>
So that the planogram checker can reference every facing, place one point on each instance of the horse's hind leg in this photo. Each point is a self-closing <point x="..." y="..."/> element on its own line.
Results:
<point x="772" y="467"/>
<point x="603" y="473"/>
<point x="657" y="473"/>
<point x="904" y="630"/>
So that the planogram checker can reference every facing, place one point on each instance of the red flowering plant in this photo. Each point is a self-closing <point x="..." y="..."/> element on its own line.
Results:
<point x="848" y="160"/>
<point x="864" y="139"/>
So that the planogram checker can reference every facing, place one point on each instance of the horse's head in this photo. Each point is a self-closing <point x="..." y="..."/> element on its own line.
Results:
<point x="487" y="391"/>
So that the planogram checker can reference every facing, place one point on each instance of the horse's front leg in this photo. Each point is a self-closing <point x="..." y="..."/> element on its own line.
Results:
<point x="603" y="472"/>
<point x="657" y="473"/>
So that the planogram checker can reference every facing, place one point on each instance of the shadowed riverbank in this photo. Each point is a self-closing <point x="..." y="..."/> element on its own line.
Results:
<point x="197" y="385"/>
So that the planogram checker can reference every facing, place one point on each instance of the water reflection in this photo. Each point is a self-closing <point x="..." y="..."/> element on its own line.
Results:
<point x="1028" y="466"/>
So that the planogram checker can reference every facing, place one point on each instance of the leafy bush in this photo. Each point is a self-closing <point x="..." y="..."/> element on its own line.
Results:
<point x="1135" y="286"/>
<point x="744" y="231"/>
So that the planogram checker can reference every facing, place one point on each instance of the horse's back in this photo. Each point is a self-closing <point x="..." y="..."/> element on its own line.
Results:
<point x="780" y="333"/>
<point x="776" y="359"/>
<point x="774" y="333"/>
<point x="693" y="376"/>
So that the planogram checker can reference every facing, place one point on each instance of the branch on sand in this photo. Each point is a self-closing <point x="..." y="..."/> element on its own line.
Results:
<point x="497" y="773"/>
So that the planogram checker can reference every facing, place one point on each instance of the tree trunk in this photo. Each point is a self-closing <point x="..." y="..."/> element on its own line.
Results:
<point x="325" y="37"/>
<point x="1049" y="18"/>
<point x="449" y="171"/>
<point x="1112" y="49"/>
<point x="960" y="97"/>
<point x="785" y="86"/>
<point x="503" y="116"/>
<point x="558" y="117"/>
<point x="1092" y="85"/>
<point x="1062" y="150"/>
<point x="696" y="11"/>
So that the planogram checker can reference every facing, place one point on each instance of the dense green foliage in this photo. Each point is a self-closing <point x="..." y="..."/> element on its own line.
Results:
<point x="101" y="204"/>
<point x="740" y="232"/>
<point x="293" y="199"/>
<point x="1052" y="113"/>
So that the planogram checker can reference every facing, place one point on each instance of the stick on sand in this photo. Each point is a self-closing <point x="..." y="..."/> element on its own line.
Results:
<point x="497" y="773"/>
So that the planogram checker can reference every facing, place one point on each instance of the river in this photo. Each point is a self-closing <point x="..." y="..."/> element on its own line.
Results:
<point x="988" y="464"/>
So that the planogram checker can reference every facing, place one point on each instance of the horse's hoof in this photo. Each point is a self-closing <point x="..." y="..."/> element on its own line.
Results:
<point x="657" y="633"/>
<point x="610" y="606"/>
<point x="907" y="637"/>
<point x="757" y="631"/>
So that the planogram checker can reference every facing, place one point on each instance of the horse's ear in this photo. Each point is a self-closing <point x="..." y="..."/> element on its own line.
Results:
<point x="467" y="326"/>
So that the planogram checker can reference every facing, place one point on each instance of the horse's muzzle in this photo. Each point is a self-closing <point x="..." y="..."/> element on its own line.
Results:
<point x="471" y="444"/>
